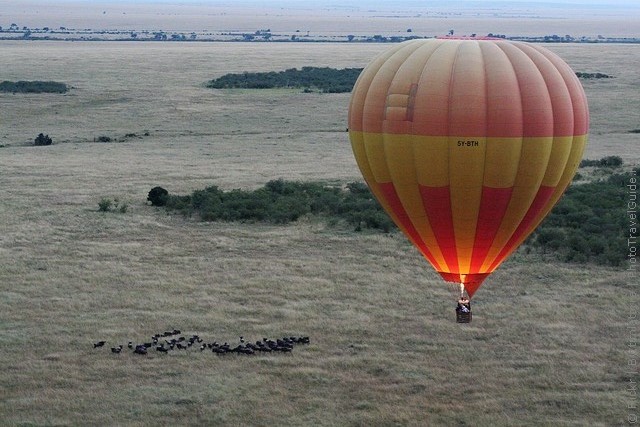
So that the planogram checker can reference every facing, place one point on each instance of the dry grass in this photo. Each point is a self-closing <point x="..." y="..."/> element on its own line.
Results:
<point x="385" y="349"/>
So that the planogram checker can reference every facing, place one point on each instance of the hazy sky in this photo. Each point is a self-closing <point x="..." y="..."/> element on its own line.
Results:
<point x="364" y="3"/>
<point x="390" y="4"/>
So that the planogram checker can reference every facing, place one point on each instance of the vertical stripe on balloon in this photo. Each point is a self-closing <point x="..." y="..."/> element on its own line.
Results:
<point x="391" y="196"/>
<point x="492" y="209"/>
<point x="533" y="214"/>
<point x="437" y="205"/>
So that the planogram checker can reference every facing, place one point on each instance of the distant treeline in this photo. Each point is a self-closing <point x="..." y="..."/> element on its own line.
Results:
<point x="328" y="80"/>
<point x="36" y="86"/>
<point x="587" y="225"/>
<point x="609" y="161"/>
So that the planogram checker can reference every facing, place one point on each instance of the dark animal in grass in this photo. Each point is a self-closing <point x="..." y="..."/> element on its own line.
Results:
<point x="224" y="348"/>
<point x="282" y="343"/>
<point x="117" y="349"/>
<point x="99" y="344"/>
<point x="140" y="349"/>
<point x="219" y="349"/>
<point x="240" y="349"/>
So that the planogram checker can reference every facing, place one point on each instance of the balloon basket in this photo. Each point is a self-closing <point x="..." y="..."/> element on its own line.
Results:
<point x="463" y="317"/>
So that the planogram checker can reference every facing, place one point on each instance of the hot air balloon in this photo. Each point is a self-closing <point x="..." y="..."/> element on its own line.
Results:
<point x="467" y="144"/>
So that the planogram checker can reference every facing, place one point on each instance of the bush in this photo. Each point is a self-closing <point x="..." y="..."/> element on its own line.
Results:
<point x="328" y="80"/>
<point x="609" y="161"/>
<point x="33" y="87"/>
<point x="112" y="205"/>
<point x="582" y="75"/>
<point x="105" y="204"/>
<point x="282" y="202"/>
<point x="549" y="238"/>
<point x="158" y="196"/>
<point x="592" y="219"/>
<point x="42" y="139"/>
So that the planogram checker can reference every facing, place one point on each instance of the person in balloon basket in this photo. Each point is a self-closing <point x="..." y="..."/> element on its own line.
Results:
<point x="464" y="305"/>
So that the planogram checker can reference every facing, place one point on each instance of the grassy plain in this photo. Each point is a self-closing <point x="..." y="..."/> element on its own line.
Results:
<point x="548" y="345"/>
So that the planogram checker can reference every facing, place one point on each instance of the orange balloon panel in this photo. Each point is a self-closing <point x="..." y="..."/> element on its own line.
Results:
<point x="467" y="144"/>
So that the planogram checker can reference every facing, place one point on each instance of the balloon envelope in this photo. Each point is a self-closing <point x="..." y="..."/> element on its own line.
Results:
<point x="467" y="144"/>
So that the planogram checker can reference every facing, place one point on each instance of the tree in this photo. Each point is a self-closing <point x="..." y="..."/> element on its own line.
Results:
<point x="158" y="196"/>
<point x="549" y="238"/>
<point x="42" y="139"/>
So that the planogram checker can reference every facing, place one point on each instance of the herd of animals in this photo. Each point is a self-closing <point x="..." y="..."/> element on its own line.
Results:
<point x="174" y="340"/>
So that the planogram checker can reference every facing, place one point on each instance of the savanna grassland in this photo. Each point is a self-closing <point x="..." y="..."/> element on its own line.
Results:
<point x="547" y="346"/>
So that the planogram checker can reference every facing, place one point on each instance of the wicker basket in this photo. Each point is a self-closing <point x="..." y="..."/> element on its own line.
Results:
<point x="462" y="317"/>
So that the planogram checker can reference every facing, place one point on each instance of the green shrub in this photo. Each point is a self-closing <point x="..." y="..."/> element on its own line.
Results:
<point x="549" y="238"/>
<point x="282" y="202"/>
<point x="105" y="204"/>
<point x="42" y="139"/>
<point x="609" y="161"/>
<point x="324" y="79"/>
<point x="36" y="86"/>
<point x="179" y="203"/>
<point x="592" y="217"/>
<point x="158" y="196"/>
<point x="583" y="75"/>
